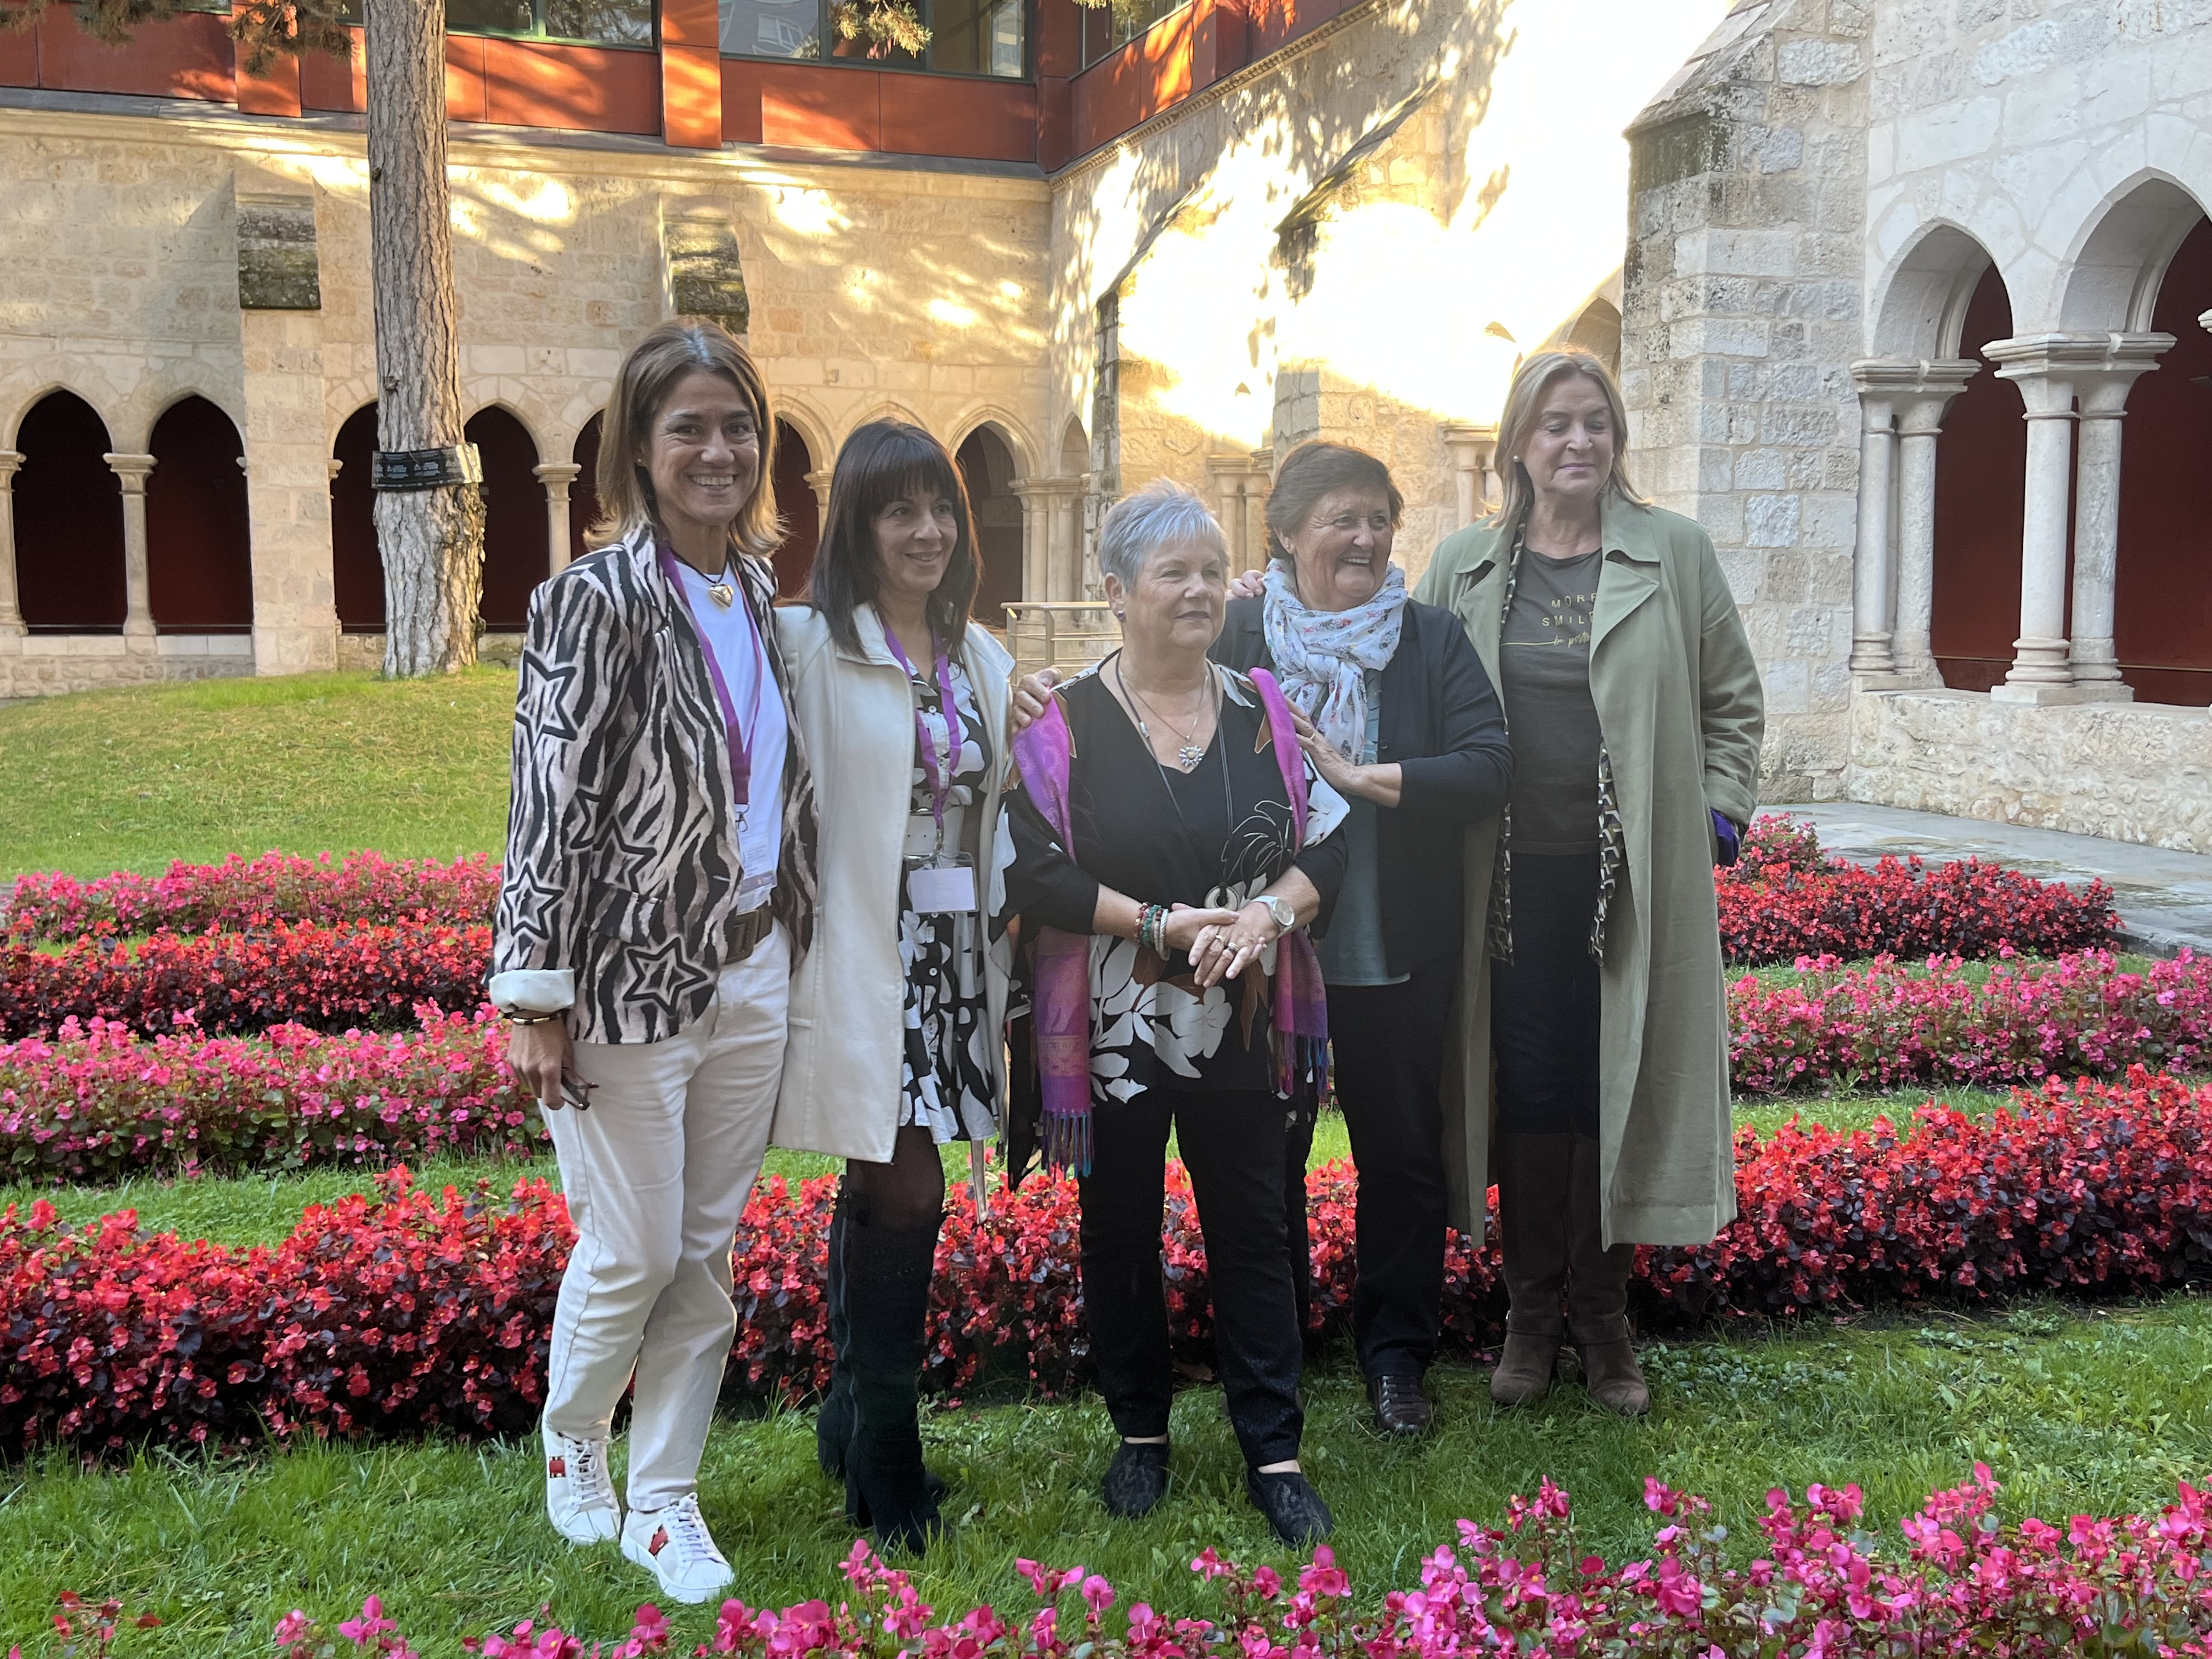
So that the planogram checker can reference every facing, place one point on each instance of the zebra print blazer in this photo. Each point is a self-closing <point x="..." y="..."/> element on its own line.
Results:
<point x="621" y="869"/>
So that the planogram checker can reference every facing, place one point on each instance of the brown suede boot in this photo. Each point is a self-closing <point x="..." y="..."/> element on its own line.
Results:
<point x="1532" y="1208"/>
<point x="1597" y="1294"/>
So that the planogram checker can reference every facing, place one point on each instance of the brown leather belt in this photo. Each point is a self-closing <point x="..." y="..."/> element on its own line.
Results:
<point x="747" y="931"/>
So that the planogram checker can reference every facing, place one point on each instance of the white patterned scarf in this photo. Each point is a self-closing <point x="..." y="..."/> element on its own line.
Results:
<point x="1322" y="656"/>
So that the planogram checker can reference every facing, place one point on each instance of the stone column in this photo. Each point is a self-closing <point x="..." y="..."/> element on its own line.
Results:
<point x="1229" y="476"/>
<point x="2103" y="394"/>
<point x="11" y="610"/>
<point x="1474" y="451"/>
<point x="1063" y="577"/>
<point x="1037" y="531"/>
<point x="556" y="476"/>
<point x="138" y="601"/>
<point x="1902" y="400"/>
<point x="818" y="482"/>
<point x="1871" y="588"/>
<point x="2040" y="365"/>
<point x="1920" y="421"/>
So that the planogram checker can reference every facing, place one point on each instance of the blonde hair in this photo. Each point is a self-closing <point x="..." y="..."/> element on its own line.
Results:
<point x="642" y="385"/>
<point x="1524" y="402"/>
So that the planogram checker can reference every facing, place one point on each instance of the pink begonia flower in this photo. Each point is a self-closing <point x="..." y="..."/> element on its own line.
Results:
<point x="365" y="1630"/>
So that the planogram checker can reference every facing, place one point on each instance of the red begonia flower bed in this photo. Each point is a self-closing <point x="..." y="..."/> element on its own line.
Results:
<point x="390" y="1314"/>
<point x="240" y="895"/>
<point x="1786" y="898"/>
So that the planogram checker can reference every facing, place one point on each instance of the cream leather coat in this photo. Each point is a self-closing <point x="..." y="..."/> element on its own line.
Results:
<point x="856" y="713"/>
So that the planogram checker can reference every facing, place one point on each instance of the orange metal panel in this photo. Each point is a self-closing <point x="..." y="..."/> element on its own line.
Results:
<point x="822" y="109"/>
<point x="1058" y="49"/>
<point x="541" y="84"/>
<point x="187" y="57"/>
<point x="19" y="57"/>
<point x="691" y="23"/>
<point x="465" y="78"/>
<point x="935" y="115"/>
<point x="275" y="92"/>
<point x="741" y="99"/>
<point x="691" y="96"/>
<point x="335" y="83"/>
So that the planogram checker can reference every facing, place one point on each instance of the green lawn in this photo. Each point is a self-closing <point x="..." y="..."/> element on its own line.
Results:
<point x="2098" y="1411"/>
<point x="130" y="779"/>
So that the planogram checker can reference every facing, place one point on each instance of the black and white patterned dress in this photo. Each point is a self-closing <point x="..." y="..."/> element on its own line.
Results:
<point x="946" y="1083"/>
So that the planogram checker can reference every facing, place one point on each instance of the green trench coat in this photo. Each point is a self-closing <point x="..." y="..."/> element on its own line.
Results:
<point x="1681" y="705"/>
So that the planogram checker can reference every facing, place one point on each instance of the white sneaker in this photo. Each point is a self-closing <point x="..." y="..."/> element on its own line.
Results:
<point x="674" y="1546"/>
<point x="579" y="1498"/>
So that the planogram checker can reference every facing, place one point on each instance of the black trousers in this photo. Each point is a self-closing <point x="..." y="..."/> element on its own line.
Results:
<point x="1232" y="1144"/>
<point x="1387" y="1066"/>
<point x="1544" y="1004"/>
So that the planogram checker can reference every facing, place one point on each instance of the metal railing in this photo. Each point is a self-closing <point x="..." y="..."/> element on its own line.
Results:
<point x="1068" y="635"/>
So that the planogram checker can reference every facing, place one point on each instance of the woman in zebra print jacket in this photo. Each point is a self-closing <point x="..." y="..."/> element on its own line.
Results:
<point x="659" y="881"/>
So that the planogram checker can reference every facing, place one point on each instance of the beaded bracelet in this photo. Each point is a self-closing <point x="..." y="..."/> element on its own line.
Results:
<point x="1153" y="927"/>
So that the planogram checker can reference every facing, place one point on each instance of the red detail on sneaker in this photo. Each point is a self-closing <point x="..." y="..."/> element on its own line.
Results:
<point x="660" y="1541"/>
<point x="557" y="1467"/>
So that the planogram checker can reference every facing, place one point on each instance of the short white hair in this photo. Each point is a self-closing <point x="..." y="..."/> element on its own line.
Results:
<point x="1163" y="514"/>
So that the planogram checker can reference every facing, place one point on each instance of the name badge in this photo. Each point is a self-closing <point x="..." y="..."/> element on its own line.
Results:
<point x="950" y="888"/>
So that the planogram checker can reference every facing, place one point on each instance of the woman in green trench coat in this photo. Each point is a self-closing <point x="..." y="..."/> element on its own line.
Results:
<point x="1592" y="1067"/>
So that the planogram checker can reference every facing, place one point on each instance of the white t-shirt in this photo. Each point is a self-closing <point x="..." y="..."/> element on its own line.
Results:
<point x="729" y="633"/>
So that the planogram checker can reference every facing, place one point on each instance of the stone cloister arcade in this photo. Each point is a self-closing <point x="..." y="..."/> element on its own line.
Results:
<point x="2037" y="540"/>
<point x="127" y="564"/>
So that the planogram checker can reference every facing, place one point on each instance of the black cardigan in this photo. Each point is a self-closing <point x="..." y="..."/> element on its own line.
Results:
<point x="1443" y="725"/>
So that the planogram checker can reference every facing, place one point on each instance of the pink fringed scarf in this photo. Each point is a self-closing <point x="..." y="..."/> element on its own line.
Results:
<point x="1061" y="993"/>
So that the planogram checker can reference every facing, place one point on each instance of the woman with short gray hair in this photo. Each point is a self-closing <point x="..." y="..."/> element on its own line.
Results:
<point x="1172" y="842"/>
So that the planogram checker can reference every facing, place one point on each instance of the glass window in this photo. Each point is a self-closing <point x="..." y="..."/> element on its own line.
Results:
<point x="977" y="37"/>
<point x="594" y="22"/>
<point x="967" y="37"/>
<point x="1107" y="28"/>
<point x="772" y="29"/>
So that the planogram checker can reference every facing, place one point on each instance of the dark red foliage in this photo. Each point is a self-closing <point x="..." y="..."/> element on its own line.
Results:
<point x="1786" y="898"/>
<point x="328" y="978"/>
<point x="391" y="1314"/>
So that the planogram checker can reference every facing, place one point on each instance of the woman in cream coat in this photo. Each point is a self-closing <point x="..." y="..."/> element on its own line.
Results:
<point x="897" y="1009"/>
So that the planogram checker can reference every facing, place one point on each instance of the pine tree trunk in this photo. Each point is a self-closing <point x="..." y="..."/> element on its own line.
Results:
<point x="432" y="540"/>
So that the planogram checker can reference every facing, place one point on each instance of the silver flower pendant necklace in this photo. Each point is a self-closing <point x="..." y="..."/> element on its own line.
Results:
<point x="1191" y="751"/>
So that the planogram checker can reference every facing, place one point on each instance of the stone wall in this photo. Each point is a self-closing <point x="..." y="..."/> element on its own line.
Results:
<point x="1356" y="240"/>
<point x="1741" y="321"/>
<point x="873" y="290"/>
<point x="2126" y="772"/>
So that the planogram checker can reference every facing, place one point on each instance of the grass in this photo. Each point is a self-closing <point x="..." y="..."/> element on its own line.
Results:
<point x="2097" y="1412"/>
<point x="130" y="779"/>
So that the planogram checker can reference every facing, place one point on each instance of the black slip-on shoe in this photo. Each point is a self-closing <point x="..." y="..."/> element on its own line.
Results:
<point x="1293" y="1507"/>
<point x="1136" y="1480"/>
<point x="1401" y="1406"/>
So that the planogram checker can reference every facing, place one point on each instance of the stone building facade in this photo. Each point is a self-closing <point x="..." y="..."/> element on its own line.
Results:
<point x="1883" y="277"/>
<point x="1897" y="271"/>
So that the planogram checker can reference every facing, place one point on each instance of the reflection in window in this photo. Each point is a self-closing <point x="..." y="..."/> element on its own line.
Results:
<point x="967" y="37"/>
<point x="1109" y="27"/>
<point x="772" y="29"/>
<point x="597" y="22"/>
<point x="976" y="37"/>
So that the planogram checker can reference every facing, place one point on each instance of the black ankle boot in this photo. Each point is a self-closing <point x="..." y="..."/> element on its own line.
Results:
<point x="886" y="1297"/>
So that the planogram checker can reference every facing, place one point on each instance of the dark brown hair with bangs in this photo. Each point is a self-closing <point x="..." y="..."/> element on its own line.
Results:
<point x="879" y="463"/>
<point x="647" y="375"/>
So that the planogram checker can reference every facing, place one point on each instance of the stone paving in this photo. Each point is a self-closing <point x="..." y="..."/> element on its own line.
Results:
<point x="2163" y="898"/>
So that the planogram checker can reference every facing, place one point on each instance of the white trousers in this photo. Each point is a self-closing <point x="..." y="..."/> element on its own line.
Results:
<point x="657" y="1173"/>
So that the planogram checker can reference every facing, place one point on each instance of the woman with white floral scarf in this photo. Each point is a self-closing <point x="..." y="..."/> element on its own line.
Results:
<point x="1400" y="716"/>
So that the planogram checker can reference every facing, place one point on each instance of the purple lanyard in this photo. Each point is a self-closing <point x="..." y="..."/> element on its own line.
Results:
<point x="741" y="736"/>
<point x="940" y="784"/>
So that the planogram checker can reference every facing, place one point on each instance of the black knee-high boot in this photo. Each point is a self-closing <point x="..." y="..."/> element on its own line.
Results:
<point x="886" y="1297"/>
<point x="833" y="1422"/>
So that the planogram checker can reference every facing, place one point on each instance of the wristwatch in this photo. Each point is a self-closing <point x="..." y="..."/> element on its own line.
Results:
<point x="1285" y="912"/>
